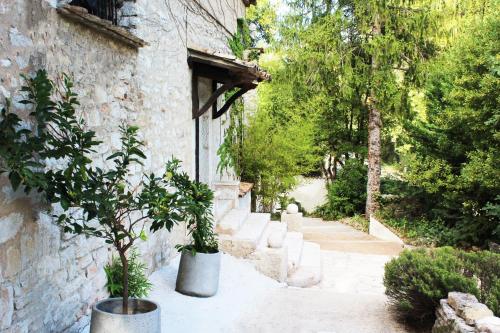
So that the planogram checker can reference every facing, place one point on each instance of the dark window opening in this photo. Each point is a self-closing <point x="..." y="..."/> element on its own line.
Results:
<point x="105" y="9"/>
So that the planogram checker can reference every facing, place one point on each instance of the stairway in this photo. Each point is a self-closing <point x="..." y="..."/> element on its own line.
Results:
<point x="274" y="251"/>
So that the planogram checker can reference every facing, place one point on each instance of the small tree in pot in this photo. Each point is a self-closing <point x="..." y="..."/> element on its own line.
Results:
<point x="200" y="259"/>
<point x="94" y="202"/>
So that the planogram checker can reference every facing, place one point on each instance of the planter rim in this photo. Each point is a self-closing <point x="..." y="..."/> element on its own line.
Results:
<point x="201" y="253"/>
<point x="94" y="308"/>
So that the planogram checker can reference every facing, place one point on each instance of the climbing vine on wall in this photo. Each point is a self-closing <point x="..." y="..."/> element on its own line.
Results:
<point x="231" y="148"/>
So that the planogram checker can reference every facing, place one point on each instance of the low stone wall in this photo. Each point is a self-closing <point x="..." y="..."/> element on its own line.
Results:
<point x="462" y="313"/>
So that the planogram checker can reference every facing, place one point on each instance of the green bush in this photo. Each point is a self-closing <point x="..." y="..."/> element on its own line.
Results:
<point x="138" y="283"/>
<point x="418" y="279"/>
<point x="347" y="193"/>
<point x="420" y="231"/>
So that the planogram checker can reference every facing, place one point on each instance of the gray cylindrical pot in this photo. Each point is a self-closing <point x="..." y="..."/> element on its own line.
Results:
<point x="198" y="274"/>
<point x="107" y="317"/>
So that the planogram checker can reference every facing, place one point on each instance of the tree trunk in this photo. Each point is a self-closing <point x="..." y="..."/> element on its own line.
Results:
<point x="373" y="185"/>
<point x="124" y="261"/>
<point x="374" y="129"/>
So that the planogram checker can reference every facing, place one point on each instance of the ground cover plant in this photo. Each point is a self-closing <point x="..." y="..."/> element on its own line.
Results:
<point x="138" y="283"/>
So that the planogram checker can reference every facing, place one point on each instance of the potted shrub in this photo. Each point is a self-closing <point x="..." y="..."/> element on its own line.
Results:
<point x="199" y="266"/>
<point x="92" y="201"/>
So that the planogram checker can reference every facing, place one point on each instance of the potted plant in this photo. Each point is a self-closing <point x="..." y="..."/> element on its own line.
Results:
<point x="92" y="201"/>
<point x="199" y="266"/>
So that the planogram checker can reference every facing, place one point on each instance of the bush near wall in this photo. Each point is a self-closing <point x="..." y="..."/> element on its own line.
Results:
<point x="418" y="279"/>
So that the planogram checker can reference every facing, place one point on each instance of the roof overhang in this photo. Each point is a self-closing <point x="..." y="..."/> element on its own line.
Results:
<point x="227" y="70"/>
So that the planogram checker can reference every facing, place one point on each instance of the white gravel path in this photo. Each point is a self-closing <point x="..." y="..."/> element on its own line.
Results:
<point x="349" y="300"/>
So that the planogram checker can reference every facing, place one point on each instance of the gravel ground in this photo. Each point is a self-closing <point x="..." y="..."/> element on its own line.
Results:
<point x="349" y="300"/>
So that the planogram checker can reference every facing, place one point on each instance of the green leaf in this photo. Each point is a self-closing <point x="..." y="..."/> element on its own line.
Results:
<point x="15" y="179"/>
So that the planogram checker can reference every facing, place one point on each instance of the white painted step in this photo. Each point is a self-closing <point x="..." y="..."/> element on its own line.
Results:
<point x="232" y="221"/>
<point x="222" y="207"/>
<point x="310" y="269"/>
<point x="274" y="236"/>
<point x="294" y="242"/>
<point x="246" y="240"/>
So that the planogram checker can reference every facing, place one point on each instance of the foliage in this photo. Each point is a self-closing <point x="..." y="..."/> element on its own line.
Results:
<point x="262" y="20"/>
<point x="346" y="194"/>
<point x="453" y="161"/>
<point x="94" y="202"/>
<point x="196" y="205"/>
<point x="230" y="150"/>
<point x="275" y="152"/>
<point x="418" y="279"/>
<point x="139" y="285"/>
<point x="242" y="41"/>
<point x="421" y="232"/>
<point x="358" y="222"/>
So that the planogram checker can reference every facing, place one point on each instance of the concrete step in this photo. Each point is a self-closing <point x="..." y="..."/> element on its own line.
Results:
<point x="248" y="237"/>
<point x="310" y="269"/>
<point x="377" y="247"/>
<point x="222" y="207"/>
<point x="294" y="242"/>
<point x="271" y="262"/>
<point x="231" y="223"/>
<point x="274" y="236"/>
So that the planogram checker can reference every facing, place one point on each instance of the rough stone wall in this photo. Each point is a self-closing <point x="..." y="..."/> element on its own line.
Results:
<point x="462" y="313"/>
<point x="49" y="280"/>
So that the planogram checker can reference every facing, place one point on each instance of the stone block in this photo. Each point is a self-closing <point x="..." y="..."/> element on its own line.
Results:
<point x="448" y="322"/>
<point x="6" y="307"/>
<point x="474" y="312"/>
<point x="9" y="226"/>
<point x="13" y="264"/>
<point x="294" y="221"/>
<point x="5" y="62"/>
<point x="458" y="300"/>
<point x="18" y="39"/>
<point x="467" y="307"/>
<point x="488" y="325"/>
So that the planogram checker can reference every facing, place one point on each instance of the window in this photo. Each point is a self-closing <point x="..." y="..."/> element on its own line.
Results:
<point x="105" y="9"/>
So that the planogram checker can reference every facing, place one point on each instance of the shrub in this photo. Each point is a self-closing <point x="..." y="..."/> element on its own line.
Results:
<point x="421" y="232"/>
<point x="418" y="279"/>
<point x="347" y="193"/>
<point x="138" y="283"/>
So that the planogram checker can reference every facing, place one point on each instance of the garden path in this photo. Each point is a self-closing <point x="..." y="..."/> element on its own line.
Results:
<point x="350" y="298"/>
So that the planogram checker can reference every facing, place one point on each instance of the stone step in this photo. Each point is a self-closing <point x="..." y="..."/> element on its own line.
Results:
<point x="231" y="223"/>
<point x="271" y="262"/>
<point x="294" y="242"/>
<point x="274" y="236"/>
<point x="222" y="207"/>
<point x="359" y="246"/>
<point x="246" y="240"/>
<point x="310" y="269"/>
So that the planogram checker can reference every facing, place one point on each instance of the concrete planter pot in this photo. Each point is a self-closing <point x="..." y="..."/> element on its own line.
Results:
<point x="144" y="317"/>
<point x="198" y="274"/>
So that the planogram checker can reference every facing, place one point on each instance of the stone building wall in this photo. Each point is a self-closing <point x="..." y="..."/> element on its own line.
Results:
<point x="48" y="279"/>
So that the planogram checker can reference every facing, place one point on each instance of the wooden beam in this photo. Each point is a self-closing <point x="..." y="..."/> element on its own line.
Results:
<point x="230" y="101"/>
